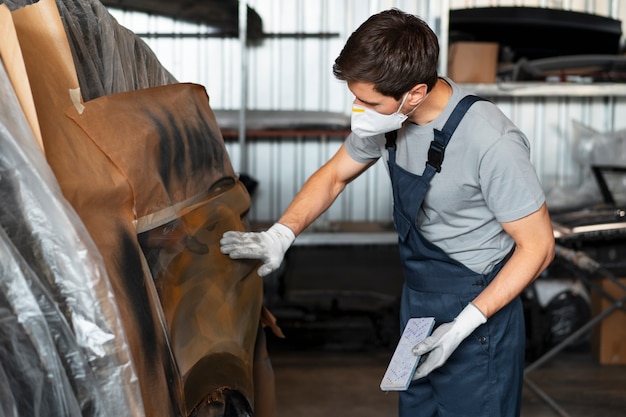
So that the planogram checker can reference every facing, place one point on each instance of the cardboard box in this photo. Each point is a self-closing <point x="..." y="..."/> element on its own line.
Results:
<point x="473" y="62"/>
<point x="609" y="336"/>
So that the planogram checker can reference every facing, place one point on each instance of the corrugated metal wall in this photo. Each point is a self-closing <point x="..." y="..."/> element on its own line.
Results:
<point x="290" y="73"/>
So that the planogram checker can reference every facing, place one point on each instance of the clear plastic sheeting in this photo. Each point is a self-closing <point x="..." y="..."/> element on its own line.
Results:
<point x="27" y="350"/>
<point x="590" y="148"/>
<point x="17" y="4"/>
<point x="8" y="408"/>
<point x="64" y="352"/>
<point x="109" y="58"/>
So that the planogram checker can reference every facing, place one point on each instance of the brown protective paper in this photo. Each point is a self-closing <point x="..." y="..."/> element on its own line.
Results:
<point x="11" y="56"/>
<point x="183" y="194"/>
<point x="163" y="140"/>
<point x="208" y="303"/>
<point x="173" y="131"/>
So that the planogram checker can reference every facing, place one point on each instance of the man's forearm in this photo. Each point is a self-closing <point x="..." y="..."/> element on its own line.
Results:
<point x="321" y="190"/>
<point x="315" y="197"/>
<point x="534" y="251"/>
<point x="515" y="276"/>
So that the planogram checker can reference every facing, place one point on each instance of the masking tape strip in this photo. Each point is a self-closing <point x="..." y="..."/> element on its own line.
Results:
<point x="77" y="100"/>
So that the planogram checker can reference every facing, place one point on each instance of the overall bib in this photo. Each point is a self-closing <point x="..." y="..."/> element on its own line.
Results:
<point x="483" y="376"/>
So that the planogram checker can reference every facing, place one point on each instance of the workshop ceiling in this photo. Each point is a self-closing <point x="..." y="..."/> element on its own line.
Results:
<point x="220" y="14"/>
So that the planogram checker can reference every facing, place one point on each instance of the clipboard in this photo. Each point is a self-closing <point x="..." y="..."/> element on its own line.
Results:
<point x="399" y="373"/>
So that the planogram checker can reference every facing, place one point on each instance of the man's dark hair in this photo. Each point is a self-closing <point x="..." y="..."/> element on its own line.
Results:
<point x="393" y="50"/>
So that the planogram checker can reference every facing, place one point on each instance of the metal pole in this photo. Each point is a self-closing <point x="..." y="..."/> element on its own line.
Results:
<point x="614" y="9"/>
<point x="243" y="30"/>
<point x="574" y="336"/>
<point x="444" y="38"/>
<point x="545" y="397"/>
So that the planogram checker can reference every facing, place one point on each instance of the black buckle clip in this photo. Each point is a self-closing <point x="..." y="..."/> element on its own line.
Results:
<point x="391" y="139"/>
<point x="435" y="155"/>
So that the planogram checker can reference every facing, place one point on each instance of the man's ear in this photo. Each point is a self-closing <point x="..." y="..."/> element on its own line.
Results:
<point x="417" y="94"/>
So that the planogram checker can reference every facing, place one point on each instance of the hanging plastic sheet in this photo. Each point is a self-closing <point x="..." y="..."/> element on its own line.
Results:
<point x="8" y="407"/>
<point x="109" y="58"/>
<point x="49" y="250"/>
<point x="27" y="350"/>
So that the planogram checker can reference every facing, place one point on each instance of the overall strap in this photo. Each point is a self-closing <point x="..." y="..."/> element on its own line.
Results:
<point x="391" y="139"/>
<point x="437" y="147"/>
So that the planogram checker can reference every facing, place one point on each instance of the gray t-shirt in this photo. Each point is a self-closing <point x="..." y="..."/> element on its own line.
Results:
<point x="486" y="178"/>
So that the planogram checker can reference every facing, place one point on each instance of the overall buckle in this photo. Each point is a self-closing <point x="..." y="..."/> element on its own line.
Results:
<point x="435" y="155"/>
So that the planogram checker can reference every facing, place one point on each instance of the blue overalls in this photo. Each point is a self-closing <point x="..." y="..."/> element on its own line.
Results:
<point x="483" y="376"/>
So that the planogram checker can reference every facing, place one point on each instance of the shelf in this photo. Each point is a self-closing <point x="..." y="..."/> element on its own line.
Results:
<point x="538" y="89"/>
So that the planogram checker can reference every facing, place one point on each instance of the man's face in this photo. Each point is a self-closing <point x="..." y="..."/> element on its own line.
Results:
<point x="366" y="95"/>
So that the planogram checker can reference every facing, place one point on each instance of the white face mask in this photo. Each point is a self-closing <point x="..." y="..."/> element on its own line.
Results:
<point x="366" y="122"/>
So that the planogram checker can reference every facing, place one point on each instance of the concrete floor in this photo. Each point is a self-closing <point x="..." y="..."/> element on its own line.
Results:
<point x="340" y="319"/>
<point x="322" y="382"/>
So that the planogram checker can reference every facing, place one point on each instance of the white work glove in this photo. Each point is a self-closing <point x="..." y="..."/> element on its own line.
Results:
<point x="269" y="246"/>
<point x="446" y="338"/>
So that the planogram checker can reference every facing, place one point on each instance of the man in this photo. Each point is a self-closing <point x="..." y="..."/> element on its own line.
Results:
<point x="472" y="222"/>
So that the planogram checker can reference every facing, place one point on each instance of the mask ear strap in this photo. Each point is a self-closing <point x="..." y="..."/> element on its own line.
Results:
<point x="418" y="104"/>
<point x="403" y="101"/>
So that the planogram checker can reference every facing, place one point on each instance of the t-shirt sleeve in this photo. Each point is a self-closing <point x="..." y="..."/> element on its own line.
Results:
<point x="510" y="184"/>
<point x="364" y="150"/>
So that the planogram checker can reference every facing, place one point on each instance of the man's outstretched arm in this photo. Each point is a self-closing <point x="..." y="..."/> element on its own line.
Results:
<point x="314" y="198"/>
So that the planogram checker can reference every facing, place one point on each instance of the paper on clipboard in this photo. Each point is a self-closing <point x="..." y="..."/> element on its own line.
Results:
<point x="402" y="366"/>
